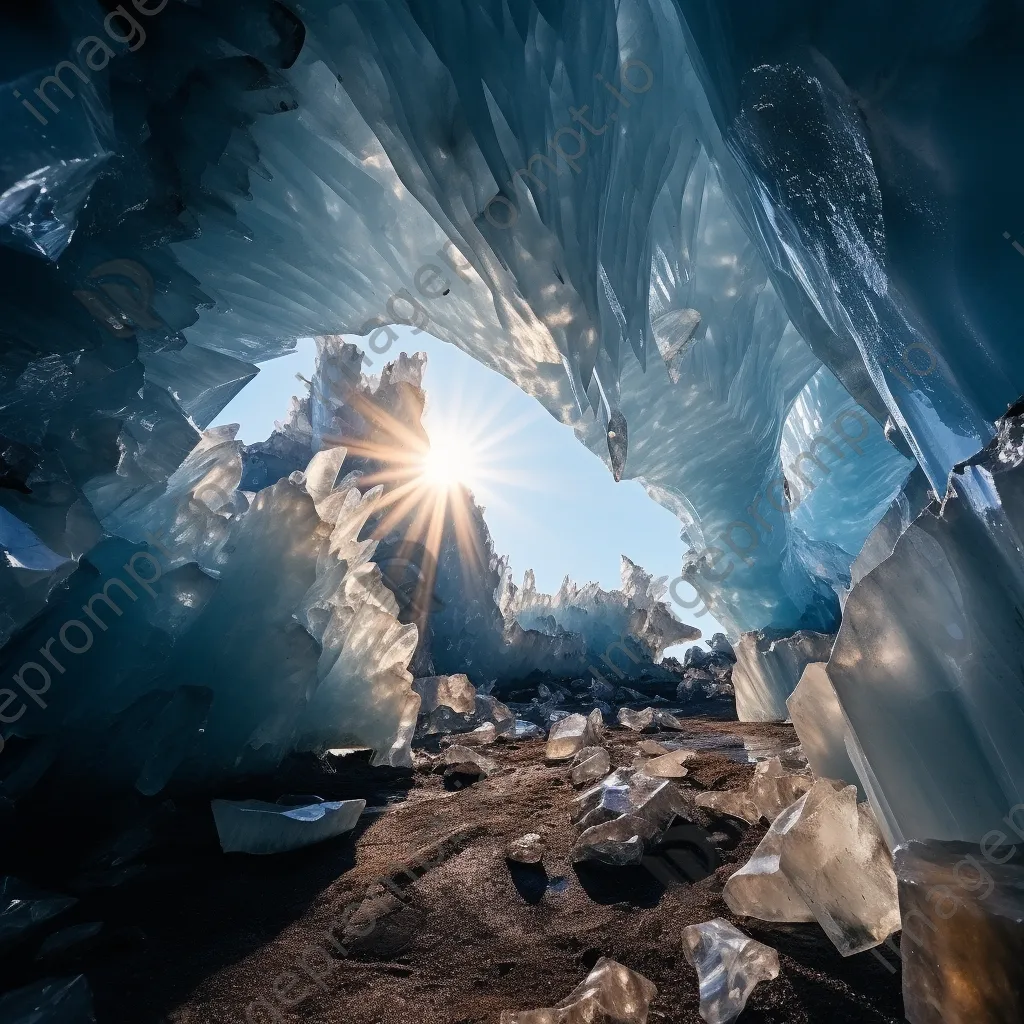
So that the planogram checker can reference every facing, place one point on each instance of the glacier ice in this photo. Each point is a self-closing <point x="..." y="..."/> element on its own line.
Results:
<point x="610" y="993"/>
<point x="729" y="966"/>
<point x="569" y="735"/>
<point x="256" y="826"/>
<point x="820" y="725"/>
<point x="784" y="275"/>
<point x="962" y="906"/>
<point x="23" y="908"/>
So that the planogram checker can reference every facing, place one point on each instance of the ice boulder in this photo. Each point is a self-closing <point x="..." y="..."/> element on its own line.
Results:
<point x="569" y="735"/>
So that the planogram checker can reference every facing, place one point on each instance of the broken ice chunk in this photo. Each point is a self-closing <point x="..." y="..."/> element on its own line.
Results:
<point x="610" y="994"/>
<point x="589" y="764"/>
<point x="527" y="731"/>
<point x="836" y="858"/>
<point x="638" y="721"/>
<point x="734" y="802"/>
<point x="651" y="748"/>
<point x="464" y="761"/>
<point x="729" y="965"/>
<point x="963" y="932"/>
<point x="629" y="792"/>
<point x="455" y="692"/>
<point x="760" y="889"/>
<point x="773" y="788"/>
<point x="619" y="841"/>
<point x="666" y="720"/>
<point x="253" y="826"/>
<point x="482" y="736"/>
<point x="51" y="1001"/>
<point x="528" y="849"/>
<point x="668" y="766"/>
<point x="571" y="734"/>
<point x="821" y="725"/>
<point x="22" y="907"/>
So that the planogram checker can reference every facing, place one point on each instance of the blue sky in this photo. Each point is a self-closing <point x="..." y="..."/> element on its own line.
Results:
<point x="550" y="504"/>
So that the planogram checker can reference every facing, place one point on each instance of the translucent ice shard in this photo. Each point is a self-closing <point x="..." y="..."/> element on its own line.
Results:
<point x="671" y="765"/>
<point x="729" y="966"/>
<point x="455" y="692"/>
<point x="610" y="994"/>
<point x="589" y="764"/>
<point x="628" y="792"/>
<point x="836" y="858"/>
<point x="821" y="725"/>
<point x="466" y="761"/>
<point x="772" y="789"/>
<point x="617" y="842"/>
<point x="254" y="826"/>
<point x="52" y="1001"/>
<point x="23" y="907"/>
<point x="760" y="888"/>
<point x="962" y="945"/>
<point x="570" y="735"/>
<point x="638" y="721"/>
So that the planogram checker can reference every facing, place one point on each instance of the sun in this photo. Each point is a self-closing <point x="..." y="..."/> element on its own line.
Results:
<point x="450" y="461"/>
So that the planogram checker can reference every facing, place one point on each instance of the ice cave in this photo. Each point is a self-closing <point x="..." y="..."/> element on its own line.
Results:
<point x="286" y="735"/>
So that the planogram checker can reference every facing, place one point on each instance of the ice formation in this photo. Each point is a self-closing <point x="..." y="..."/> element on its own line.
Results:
<point x="729" y="966"/>
<point x="762" y="258"/>
<point x="52" y="1001"/>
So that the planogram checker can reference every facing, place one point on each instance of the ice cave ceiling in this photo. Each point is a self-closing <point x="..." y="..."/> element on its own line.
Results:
<point x="761" y="256"/>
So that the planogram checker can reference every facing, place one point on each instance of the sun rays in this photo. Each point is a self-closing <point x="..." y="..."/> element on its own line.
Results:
<point x="430" y="477"/>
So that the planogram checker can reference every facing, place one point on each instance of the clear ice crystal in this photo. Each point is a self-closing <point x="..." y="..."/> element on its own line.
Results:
<point x="671" y="765"/>
<point x="772" y="789"/>
<point x="461" y="760"/>
<point x="589" y="764"/>
<point x="729" y="966"/>
<point x="824" y="859"/>
<point x="617" y="842"/>
<point x="258" y="827"/>
<point x="569" y="735"/>
<point x="610" y="994"/>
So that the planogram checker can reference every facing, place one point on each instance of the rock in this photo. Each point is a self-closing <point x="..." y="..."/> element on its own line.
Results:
<point x="638" y="721"/>
<point x="610" y="994"/>
<point x="455" y="692"/>
<point x="70" y="941"/>
<point x="589" y="764"/>
<point x="570" y="735"/>
<point x="253" y="826"/>
<point x="464" y="761"/>
<point x="719" y="644"/>
<point x="729" y="966"/>
<point x="51" y="1001"/>
<point x="619" y="842"/>
<point x="962" y="945"/>
<point x="826" y="857"/>
<point x="23" y="907"/>
<point x="528" y="849"/>
<point x="668" y="766"/>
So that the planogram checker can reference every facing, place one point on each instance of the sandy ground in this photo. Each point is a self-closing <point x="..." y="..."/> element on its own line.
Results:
<point x="455" y="934"/>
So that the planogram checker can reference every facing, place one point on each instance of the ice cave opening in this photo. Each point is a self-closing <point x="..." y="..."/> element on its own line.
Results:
<point x="284" y="737"/>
